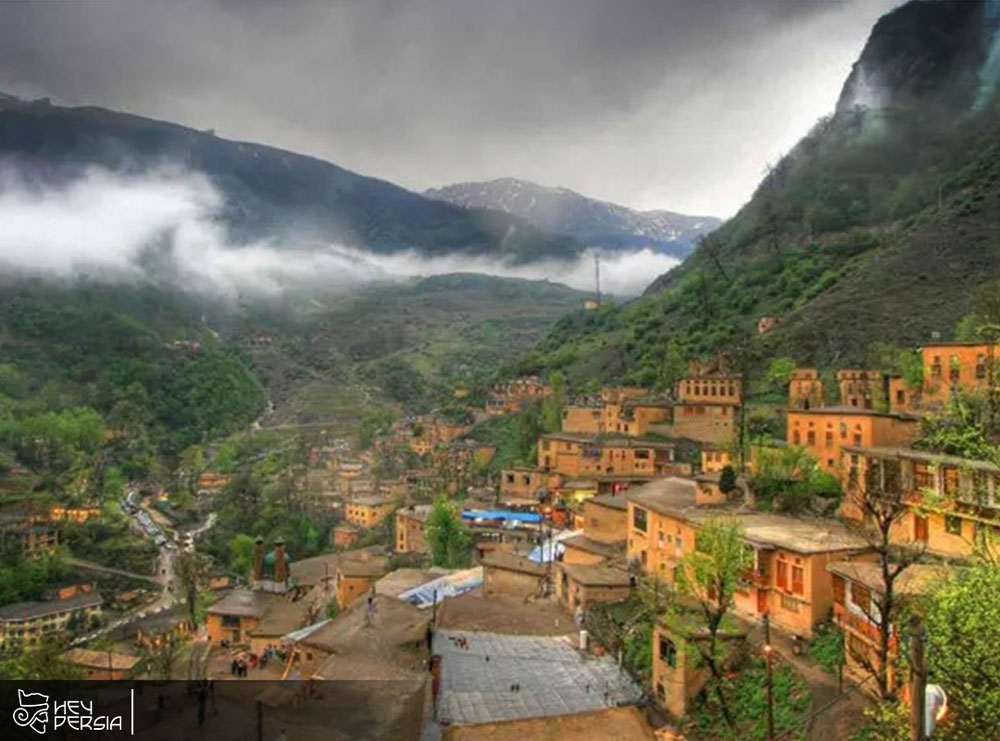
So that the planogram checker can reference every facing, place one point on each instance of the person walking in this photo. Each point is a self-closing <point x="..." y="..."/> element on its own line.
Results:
<point x="202" y="698"/>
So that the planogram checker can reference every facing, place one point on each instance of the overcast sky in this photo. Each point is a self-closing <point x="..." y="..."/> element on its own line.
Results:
<point x="675" y="104"/>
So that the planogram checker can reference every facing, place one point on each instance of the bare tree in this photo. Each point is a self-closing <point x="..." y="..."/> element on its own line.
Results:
<point x="163" y="655"/>
<point x="710" y="245"/>
<point x="880" y="498"/>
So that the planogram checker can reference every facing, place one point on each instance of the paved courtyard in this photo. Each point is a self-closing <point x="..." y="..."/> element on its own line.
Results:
<point x="487" y="677"/>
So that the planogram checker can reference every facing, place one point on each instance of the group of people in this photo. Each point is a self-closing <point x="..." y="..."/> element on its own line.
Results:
<point x="241" y="664"/>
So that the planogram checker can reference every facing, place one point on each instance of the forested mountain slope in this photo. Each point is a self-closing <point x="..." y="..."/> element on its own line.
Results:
<point x="881" y="225"/>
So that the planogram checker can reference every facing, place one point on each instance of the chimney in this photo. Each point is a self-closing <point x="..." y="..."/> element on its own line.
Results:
<point x="280" y="565"/>
<point x="258" y="559"/>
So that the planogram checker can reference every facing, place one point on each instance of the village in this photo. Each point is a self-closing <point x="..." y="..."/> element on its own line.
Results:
<point x="513" y="603"/>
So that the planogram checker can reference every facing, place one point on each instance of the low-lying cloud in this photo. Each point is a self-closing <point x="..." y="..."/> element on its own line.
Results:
<point x="164" y="226"/>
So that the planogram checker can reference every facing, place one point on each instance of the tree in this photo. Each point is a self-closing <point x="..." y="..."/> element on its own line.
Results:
<point x="961" y="429"/>
<point x="786" y="479"/>
<point x="879" y="500"/>
<point x="672" y="365"/>
<point x="779" y="373"/>
<point x="727" y="479"/>
<point x="241" y="555"/>
<point x="192" y="571"/>
<point x="552" y="406"/>
<point x="43" y="661"/>
<point x="710" y="575"/>
<point x="448" y="539"/>
<point x="962" y="619"/>
<point x="163" y="654"/>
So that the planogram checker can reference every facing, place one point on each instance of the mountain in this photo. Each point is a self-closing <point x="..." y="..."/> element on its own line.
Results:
<point x="268" y="193"/>
<point x="882" y="225"/>
<point x="593" y="222"/>
<point x="183" y="367"/>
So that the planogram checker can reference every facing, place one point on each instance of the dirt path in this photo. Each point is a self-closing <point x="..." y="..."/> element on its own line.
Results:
<point x="834" y="715"/>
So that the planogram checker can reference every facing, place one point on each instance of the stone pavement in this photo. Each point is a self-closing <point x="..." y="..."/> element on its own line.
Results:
<point x="487" y="677"/>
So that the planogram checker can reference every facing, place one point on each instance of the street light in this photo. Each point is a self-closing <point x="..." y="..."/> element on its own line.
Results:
<point x="768" y="650"/>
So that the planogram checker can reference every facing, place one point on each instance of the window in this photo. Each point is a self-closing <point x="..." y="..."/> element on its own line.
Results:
<point x="829" y="438"/>
<point x="510" y="478"/>
<point x="811" y="438"/>
<point x="954" y="370"/>
<point x="668" y="651"/>
<point x="923" y="476"/>
<point x="900" y="396"/>
<point x="796" y="438"/>
<point x="936" y="367"/>
<point x="838" y="589"/>
<point x="951" y="481"/>
<point x="861" y="597"/>
<point x="920" y="528"/>
<point x="953" y="524"/>
<point x="789" y="604"/>
<point x="980" y="366"/>
<point x="782" y="574"/>
<point x="798" y="582"/>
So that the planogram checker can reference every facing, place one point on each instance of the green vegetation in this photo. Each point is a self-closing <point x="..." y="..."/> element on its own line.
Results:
<point x="827" y="647"/>
<point x="24" y="579"/>
<point x="709" y="575"/>
<point x="865" y="232"/>
<point x="786" y="478"/>
<point x="38" y="663"/>
<point x="446" y="536"/>
<point x="962" y="619"/>
<point x="961" y="429"/>
<point x="516" y="435"/>
<point x="748" y="702"/>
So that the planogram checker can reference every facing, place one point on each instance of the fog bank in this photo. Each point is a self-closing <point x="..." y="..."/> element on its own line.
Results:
<point x="164" y="225"/>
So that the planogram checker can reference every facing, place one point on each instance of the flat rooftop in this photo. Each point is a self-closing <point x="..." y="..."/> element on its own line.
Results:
<point x="583" y="543"/>
<point x="675" y="497"/>
<point x="924" y="456"/>
<point x="613" y="501"/>
<point x="842" y="409"/>
<point x="916" y="579"/>
<point x="512" y="562"/>
<point x="596" y="575"/>
<point x="555" y="678"/>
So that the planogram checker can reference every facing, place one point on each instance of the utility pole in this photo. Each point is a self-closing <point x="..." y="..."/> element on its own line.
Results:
<point x="768" y="650"/>
<point x="918" y="679"/>
<point x="597" y="276"/>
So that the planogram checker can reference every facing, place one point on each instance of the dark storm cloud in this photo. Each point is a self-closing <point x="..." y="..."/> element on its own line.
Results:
<point x="651" y="103"/>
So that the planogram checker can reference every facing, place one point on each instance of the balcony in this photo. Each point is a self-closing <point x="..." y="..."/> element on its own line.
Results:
<point x="860" y="625"/>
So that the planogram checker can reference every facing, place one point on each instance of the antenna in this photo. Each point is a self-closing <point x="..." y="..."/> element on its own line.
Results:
<point x="597" y="276"/>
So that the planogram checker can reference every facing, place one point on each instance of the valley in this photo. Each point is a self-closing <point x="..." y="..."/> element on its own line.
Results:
<point x="265" y="418"/>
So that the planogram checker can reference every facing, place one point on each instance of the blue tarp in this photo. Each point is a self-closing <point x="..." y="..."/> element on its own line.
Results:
<point x="499" y="514"/>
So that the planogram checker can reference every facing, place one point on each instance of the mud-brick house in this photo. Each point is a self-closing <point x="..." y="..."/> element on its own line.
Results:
<point x="511" y="575"/>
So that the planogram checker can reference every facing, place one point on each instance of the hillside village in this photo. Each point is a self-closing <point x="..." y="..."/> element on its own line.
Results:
<point x="608" y="537"/>
<point x="326" y="458"/>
